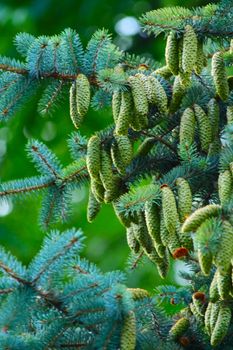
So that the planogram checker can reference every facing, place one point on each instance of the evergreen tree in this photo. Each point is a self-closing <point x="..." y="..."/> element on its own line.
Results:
<point x="166" y="167"/>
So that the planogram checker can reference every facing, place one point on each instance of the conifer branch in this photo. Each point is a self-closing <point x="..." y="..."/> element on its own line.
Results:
<point x="6" y="291"/>
<point x="161" y="140"/>
<point x="66" y="248"/>
<point x="26" y="189"/>
<point x="175" y="201"/>
<point x="12" y="274"/>
<point x="47" y="75"/>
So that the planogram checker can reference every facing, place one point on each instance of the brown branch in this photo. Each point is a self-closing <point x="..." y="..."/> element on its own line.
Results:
<point x="6" y="291"/>
<point x="74" y="174"/>
<point x="86" y="311"/>
<point x="80" y="270"/>
<point x="51" y="299"/>
<point x="42" y="186"/>
<point x="51" y="208"/>
<point x="44" y="160"/>
<point x="133" y="267"/>
<point x="73" y="293"/>
<point x="8" y="68"/>
<point x="73" y="345"/>
<point x="12" y="102"/>
<point x="27" y="189"/>
<point x="14" y="275"/>
<point x="53" y="97"/>
<point x="46" y="75"/>
<point x="161" y="140"/>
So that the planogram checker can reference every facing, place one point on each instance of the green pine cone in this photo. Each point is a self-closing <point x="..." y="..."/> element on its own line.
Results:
<point x="225" y="251"/>
<point x="200" y="215"/>
<point x="93" y="207"/>
<point x="187" y="127"/>
<point x="116" y="104"/>
<point x="142" y="235"/>
<point x="132" y="241"/>
<point x="214" y="148"/>
<point x="224" y="284"/>
<point x="201" y="59"/>
<point x="185" y="240"/>
<point x="189" y="53"/>
<point x="213" y="290"/>
<point x="125" y="149"/>
<point x="124" y="220"/>
<point x="172" y="53"/>
<point x="161" y="263"/>
<point x="83" y="94"/>
<point x="169" y="209"/>
<point x="164" y="234"/>
<point x="173" y="242"/>
<point x="221" y="326"/>
<point x="106" y="173"/>
<point x="163" y="72"/>
<point x="184" y="198"/>
<point x="225" y="186"/>
<point x="152" y="217"/>
<point x="231" y="46"/>
<point x="213" y="115"/>
<point x="125" y="114"/>
<point x="179" y="328"/>
<point x="229" y="115"/>
<point x="145" y="147"/>
<point x="140" y="99"/>
<point x="178" y="92"/>
<point x="180" y="54"/>
<point x="116" y="159"/>
<point x="220" y="76"/>
<point x="207" y="318"/>
<point x="138" y="293"/>
<point x="205" y="259"/>
<point x="128" y="333"/>
<point x="199" y="306"/>
<point x="214" y="315"/>
<point x="147" y="87"/>
<point x="160" y="96"/>
<point x="135" y="123"/>
<point x="97" y="189"/>
<point x="231" y="168"/>
<point x="112" y="192"/>
<point x="204" y="127"/>
<point x="163" y="268"/>
<point x="74" y="115"/>
<point x="93" y="156"/>
<point x="199" y="318"/>
<point x="184" y="77"/>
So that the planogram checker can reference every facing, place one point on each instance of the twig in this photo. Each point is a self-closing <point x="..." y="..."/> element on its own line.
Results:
<point x="161" y="140"/>
<point x="133" y="267"/>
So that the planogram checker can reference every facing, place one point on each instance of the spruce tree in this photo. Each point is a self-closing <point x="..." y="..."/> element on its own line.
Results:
<point x="165" y="165"/>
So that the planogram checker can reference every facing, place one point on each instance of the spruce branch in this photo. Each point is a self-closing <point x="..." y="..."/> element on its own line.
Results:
<point x="13" y="274"/>
<point x="67" y="247"/>
<point x="46" y="75"/>
<point x="160" y="139"/>
<point x="26" y="189"/>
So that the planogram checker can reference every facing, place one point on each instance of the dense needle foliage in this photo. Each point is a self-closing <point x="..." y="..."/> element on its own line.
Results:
<point x="165" y="165"/>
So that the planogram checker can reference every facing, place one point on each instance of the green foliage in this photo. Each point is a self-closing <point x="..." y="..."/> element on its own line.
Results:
<point x="70" y="301"/>
<point x="164" y="155"/>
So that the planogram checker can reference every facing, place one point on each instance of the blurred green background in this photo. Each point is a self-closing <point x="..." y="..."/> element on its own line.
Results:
<point x="19" y="232"/>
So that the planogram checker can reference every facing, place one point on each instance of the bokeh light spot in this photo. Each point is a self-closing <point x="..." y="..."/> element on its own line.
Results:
<point x="127" y="26"/>
<point x="6" y="208"/>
